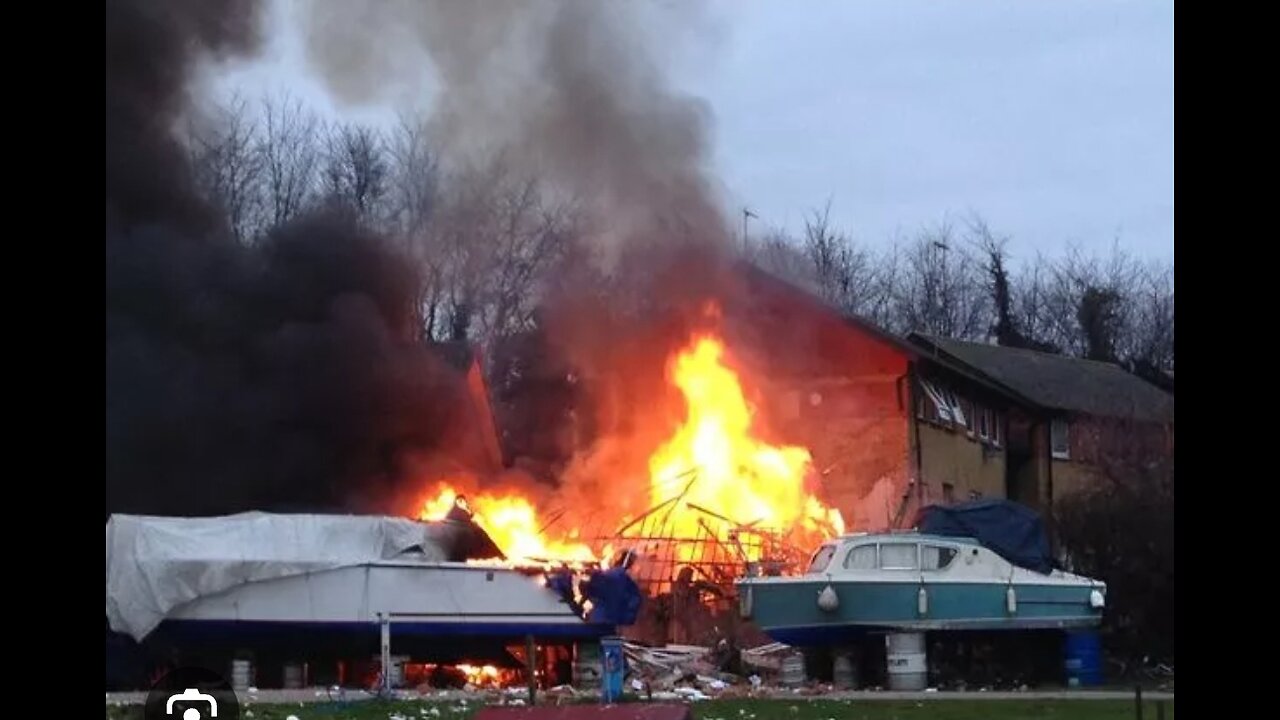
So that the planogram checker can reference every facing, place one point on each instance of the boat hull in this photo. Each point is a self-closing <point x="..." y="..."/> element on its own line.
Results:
<point x="437" y="612"/>
<point x="787" y="609"/>
<point x="416" y="598"/>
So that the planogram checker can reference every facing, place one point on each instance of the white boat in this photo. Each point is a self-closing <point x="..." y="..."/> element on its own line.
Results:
<point x="920" y="581"/>
<point x="325" y="586"/>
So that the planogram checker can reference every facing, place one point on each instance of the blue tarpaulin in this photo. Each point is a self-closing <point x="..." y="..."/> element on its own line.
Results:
<point x="1013" y="531"/>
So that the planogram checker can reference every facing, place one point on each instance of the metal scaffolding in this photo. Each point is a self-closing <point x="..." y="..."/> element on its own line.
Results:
<point x="717" y="550"/>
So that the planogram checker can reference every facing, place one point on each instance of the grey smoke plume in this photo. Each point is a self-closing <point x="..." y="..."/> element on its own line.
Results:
<point x="569" y="91"/>
<point x="576" y="94"/>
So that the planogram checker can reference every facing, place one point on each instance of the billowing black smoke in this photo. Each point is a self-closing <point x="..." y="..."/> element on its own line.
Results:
<point x="279" y="376"/>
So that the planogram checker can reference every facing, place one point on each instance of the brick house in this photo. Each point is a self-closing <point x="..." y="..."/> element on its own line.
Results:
<point x="1073" y="415"/>
<point x="894" y="423"/>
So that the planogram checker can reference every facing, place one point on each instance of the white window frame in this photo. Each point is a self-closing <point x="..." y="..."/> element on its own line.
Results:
<point x="946" y="406"/>
<point x="984" y="422"/>
<point x="1065" y="453"/>
<point x="830" y="558"/>
<point x="955" y="553"/>
<point x="880" y="556"/>
<point x="941" y="407"/>
<point x="957" y="412"/>
<point x="997" y="435"/>
<point x="875" y="556"/>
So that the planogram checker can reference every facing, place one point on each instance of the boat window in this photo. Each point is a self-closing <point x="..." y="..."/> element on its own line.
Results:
<point x="899" y="556"/>
<point x="821" y="558"/>
<point x="862" y="557"/>
<point x="936" y="557"/>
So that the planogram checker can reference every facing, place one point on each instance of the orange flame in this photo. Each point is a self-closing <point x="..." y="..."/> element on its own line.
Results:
<point x="712" y="460"/>
<point x="717" y="463"/>
<point x="476" y="676"/>
<point x="487" y="675"/>
<point x="511" y="522"/>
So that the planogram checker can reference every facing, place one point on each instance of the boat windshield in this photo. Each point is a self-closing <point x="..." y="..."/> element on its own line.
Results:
<point x="822" y="558"/>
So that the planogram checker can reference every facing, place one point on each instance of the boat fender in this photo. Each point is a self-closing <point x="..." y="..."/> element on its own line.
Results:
<point x="1097" y="599"/>
<point x="922" y="601"/>
<point x="828" y="601"/>
<point x="1011" y="600"/>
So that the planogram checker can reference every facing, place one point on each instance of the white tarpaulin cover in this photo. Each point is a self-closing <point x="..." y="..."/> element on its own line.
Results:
<point x="155" y="564"/>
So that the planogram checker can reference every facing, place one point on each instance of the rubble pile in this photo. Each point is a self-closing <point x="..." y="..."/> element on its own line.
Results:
<point x="689" y="672"/>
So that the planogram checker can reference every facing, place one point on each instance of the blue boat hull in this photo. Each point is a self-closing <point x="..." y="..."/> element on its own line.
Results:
<point x="789" y="612"/>
<point x="323" y="645"/>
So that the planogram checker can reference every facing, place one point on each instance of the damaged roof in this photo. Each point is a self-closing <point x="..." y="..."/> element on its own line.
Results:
<point x="1058" y="382"/>
<point x="756" y="274"/>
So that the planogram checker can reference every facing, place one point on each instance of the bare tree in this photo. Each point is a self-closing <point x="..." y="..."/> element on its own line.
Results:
<point x="846" y="273"/>
<point x="1008" y="329"/>
<point x="939" y="288"/>
<point x="413" y="178"/>
<point x="488" y="246"/>
<point x="532" y="234"/>
<point x="289" y="152"/>
<point x="413" y="197"/>
<point x="781" y="256"/>
<point x="1150" y="338"/>
<point x="829" y="255"/>
<point x="828" y="263"/>
<point x="1033" y="304"/>
<point x="1088" y="302"/>
<point x="227" y="166"/>
<point x="355" y="170"/>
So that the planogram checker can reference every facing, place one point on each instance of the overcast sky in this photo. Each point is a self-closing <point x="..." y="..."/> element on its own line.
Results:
<point x="1053" y="120"/>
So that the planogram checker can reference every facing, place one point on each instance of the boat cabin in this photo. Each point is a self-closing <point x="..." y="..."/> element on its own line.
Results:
<point x="899" y="551"/>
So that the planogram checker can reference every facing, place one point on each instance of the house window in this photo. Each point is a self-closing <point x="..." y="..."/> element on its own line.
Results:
<point x="972" y="419"/>
<point x="948" y="493"/>
<point x="939" y="409"/>
<point x="899" y="556"/>
<point x="1059" y="440"/>
<point x="983" y="429"/>
<point x="862" y="557"/>
<point x="997" y="432"/>
<point x="943" y="406"/>
<point x="936" y="557"/>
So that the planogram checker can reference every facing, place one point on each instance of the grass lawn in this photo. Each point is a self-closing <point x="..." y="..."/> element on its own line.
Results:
<point x="735" y="709"/>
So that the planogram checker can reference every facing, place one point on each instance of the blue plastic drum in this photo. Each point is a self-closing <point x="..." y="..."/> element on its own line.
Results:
<point x="1083" y="659"/>
<point x="614" y="668"/>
